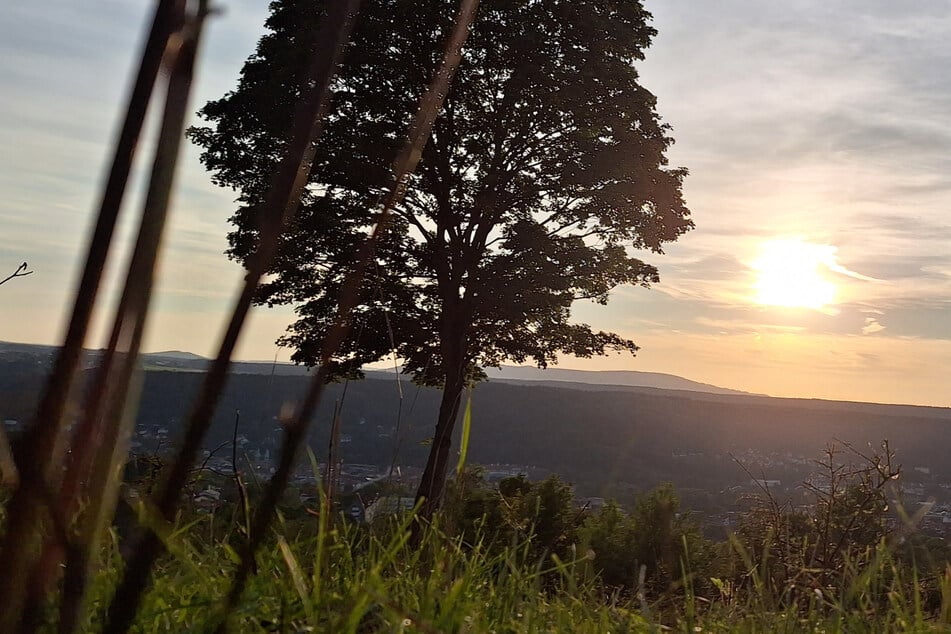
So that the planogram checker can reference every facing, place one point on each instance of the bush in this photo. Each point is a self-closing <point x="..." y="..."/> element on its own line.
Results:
<point x="655" y="536"/>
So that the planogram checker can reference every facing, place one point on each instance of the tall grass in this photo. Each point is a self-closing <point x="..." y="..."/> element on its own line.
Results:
<point x="351" y="580"/>
<point x="38" y="532"/>
<point x="347" y="578"/>
<point x="58" y="513"/>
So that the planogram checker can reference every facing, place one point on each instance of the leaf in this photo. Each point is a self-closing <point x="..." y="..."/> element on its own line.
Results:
<point x="297" y="575"/>
<point x="466" y="428"/>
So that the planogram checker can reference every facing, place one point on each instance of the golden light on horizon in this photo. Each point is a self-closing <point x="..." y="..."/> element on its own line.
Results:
<point x="789" y="273"/>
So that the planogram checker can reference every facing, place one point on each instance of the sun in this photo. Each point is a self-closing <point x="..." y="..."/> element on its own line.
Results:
<point x="789" y="273"/>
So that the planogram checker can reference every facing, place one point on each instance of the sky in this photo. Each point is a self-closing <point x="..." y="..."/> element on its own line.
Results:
<point x="817" y="135"/>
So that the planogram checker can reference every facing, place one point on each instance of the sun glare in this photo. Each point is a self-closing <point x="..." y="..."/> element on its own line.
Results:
<point x="789" y="273"/>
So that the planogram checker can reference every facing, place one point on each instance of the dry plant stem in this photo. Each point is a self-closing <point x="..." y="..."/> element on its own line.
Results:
<point x="110" y="411"/>
<point x="238" y="480"/>
<point x="120" y="386"/>
<point x="20" y="272"/>
<point x="280" y="205"/>
<point x="296" y="430"/>
<point x="333" y="446"/>
<point x="102" y="408"/>
<point x="884" y="472"/>
<point x="41" y="447"/>
<point x="9" y="476"/>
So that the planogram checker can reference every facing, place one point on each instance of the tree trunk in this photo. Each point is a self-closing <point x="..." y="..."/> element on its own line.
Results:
<point x="434" y="476"/>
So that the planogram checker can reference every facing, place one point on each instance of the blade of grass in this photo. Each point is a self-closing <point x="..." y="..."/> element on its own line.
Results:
<point x="41" y="445"/>
<point x="297" y="576"/>
<point x="281" y="203"/>
<point x="466" y="429"/>
<point x="132" y="318"/>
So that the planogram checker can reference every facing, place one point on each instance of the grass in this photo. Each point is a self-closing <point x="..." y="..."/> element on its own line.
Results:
<point x="354" y="580"/>
<point x="351" y="579"/>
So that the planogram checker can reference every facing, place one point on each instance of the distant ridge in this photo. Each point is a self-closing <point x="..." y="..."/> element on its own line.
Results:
<point x="626" y="378"/>
<point x="176" y="354"/>
<point x="584" y="380"/>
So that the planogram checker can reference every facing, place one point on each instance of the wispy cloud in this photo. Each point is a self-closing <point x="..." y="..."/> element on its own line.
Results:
<point x="823" y="120"/>
<point x="872" y="326"/>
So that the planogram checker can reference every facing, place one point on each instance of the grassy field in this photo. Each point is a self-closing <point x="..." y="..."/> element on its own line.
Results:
<point x="351" y="579"/>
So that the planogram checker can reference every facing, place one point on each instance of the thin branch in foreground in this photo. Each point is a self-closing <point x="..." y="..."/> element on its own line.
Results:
<point x="280" y="206"/>
<point x="20" y="272"/>
<point x="41" y="446"/>
<point x="119" y="382"/>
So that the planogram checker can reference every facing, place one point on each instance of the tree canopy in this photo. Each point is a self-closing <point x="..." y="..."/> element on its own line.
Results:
<point x="544" y="181"/>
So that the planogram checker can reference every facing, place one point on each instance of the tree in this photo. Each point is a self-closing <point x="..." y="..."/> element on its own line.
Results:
<point x="655" y="535"/>
<point x="544" y="179"/>
<point x="541" y="517"/>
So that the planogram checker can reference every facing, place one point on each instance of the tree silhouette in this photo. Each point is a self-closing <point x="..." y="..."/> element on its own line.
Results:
<point x="544" y="179"/>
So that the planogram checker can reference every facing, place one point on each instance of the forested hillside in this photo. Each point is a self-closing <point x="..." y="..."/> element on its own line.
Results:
<point x="609" y="442"/>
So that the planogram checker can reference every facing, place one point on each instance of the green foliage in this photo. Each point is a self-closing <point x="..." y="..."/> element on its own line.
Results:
<point x="520" y="557"/>
<point x="546" y="166"/>
<point x="611" y="535"/>
<point x="657" y="536"/>
<point x="352" y="580"/>
<point x="541" y="514"/>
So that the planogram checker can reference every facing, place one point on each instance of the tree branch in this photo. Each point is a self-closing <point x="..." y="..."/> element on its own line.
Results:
<point x="20" y="272"/>
<point x="410" y="217"/>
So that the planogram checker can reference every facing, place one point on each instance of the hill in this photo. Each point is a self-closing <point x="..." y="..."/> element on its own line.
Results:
<point x="611" y="443"/>
<point x="602" y="378"/>
<point x="175" y="354"/>
<point x="611" y="440"/>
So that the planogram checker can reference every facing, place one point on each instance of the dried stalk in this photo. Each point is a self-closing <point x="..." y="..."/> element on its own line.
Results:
<point x="238" y="480"/>
<point x="295" y="430"/>
<point x="332" y="458"/>
<point x="9" y="476"/>
<point x="39" y="454"/>
<point x="119" y="413"/>
<point x="280" y="205"/>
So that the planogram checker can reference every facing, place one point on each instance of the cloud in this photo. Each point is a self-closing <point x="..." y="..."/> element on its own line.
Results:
<point x="903" y="226"/>
<point x="872" y="326"/>
<point x="883" y="368"/>
<point x="825" y="120"/>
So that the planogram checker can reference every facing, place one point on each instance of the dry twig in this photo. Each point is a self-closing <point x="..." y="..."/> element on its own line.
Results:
<point x="20" y="272"/>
